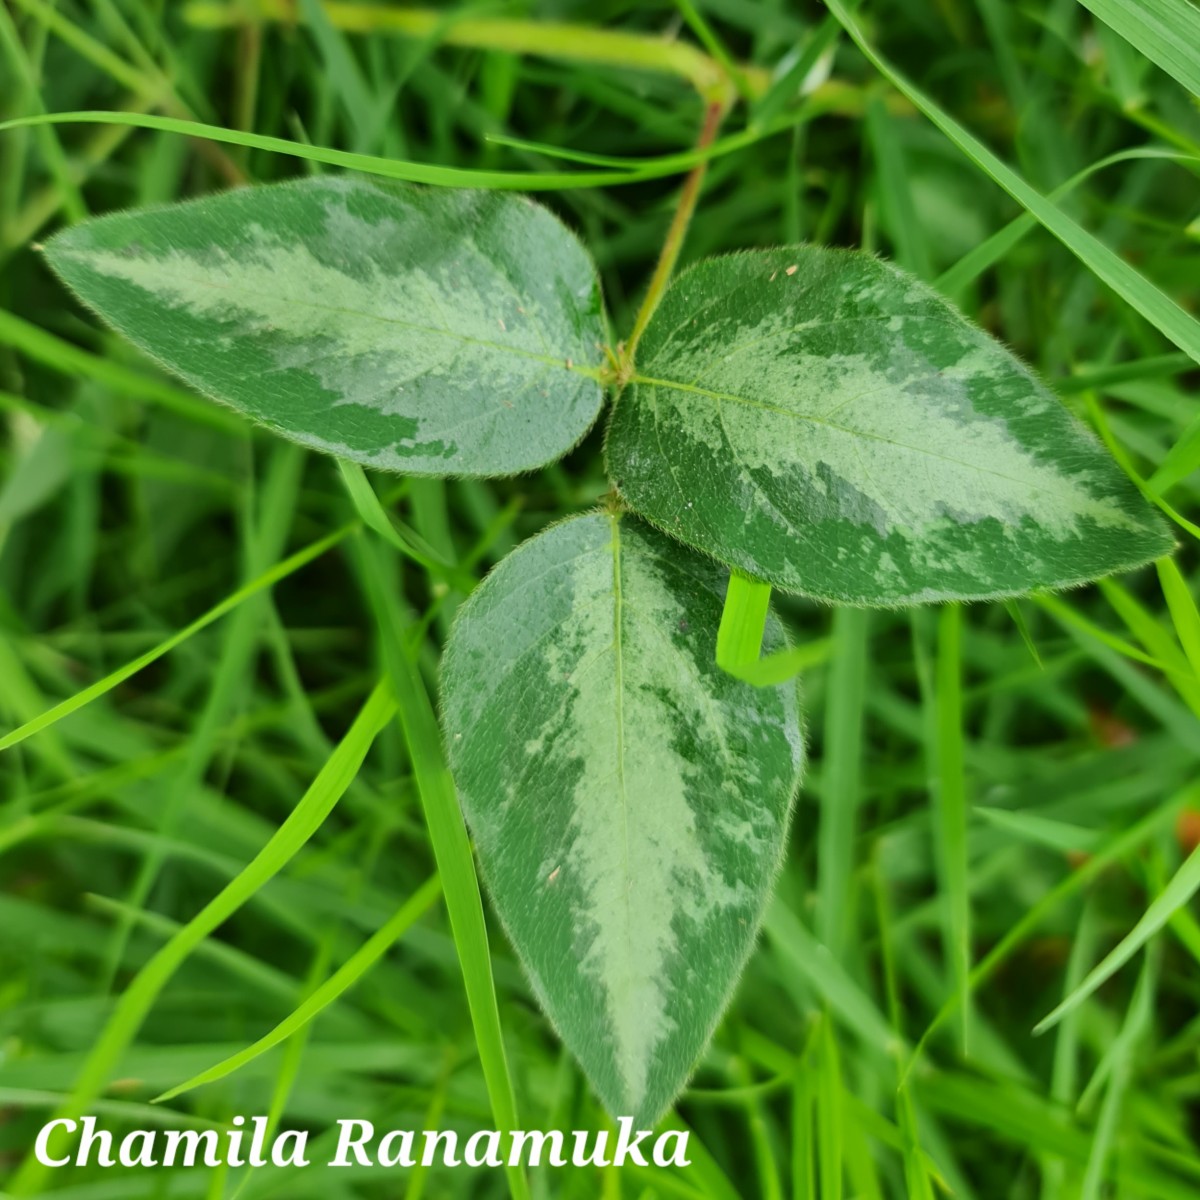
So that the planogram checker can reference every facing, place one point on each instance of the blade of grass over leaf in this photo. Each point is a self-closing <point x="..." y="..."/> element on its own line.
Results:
<point x="139" y="997"/>
<point x="1147" y="298"/>
<point x="344" y="978"/>
<point x="740" y="638"/>
<point x="1181" y="888"/>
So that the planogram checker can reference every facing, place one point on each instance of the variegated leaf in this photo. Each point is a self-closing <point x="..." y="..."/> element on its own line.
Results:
<point x="830" y="424"/>
<point x="628" y="799"/>
<point x="426" y="331"/>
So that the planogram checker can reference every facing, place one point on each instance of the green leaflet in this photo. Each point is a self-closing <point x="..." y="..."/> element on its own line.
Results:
<point x="828" y="423"/>
<point x="628" y="799"/>
<point x="426" y="331"/>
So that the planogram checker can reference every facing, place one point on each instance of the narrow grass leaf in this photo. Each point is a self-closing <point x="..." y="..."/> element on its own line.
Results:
<point x="951" y="802"/>
<point x="1166" y="31"/>
<point x="813" y="963"/>
<point x="830" y="1110"/>
<point x="1182" y="606"/>
<point x="138" y="998"/>
<point x="451" y="849"/>
<point x="267" y="579"/>
<point x="841" y="780"/>
<point x="1159" y="309"/>
<point x="1122" y="1064"/>
<point x="410" y="543"/>
<point x="740" y="638"/>
<point x="1181" y="460"/>
<point x="413" y="172"/>
<point x="989" y="252"/>
<point x="344" y="978"/>
<point x="1175" y="895"/>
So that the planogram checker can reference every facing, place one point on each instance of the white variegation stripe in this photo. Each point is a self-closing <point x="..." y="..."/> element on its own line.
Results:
<point x="628" y="799"/>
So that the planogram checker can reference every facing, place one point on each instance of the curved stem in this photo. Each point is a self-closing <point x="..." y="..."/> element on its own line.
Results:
<point x="713" y="115"/>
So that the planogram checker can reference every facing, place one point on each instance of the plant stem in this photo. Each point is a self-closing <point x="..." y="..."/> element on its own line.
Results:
<point x="549" y="39"/>
<point x="713" y="115"/>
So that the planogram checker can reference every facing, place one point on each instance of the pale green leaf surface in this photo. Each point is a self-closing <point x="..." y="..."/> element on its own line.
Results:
<point x="826" y="422"/>
<point x="628" y="799"/>
<point x="426" y="331"/>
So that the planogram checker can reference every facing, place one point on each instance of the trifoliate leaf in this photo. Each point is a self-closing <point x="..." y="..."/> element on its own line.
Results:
<point x="433" y="332"/>
<point x="628" y="799"/>
<point x="828" y="423"/>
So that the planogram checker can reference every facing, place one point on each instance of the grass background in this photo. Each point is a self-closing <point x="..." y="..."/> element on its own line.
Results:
<point x="1000" y="798"/>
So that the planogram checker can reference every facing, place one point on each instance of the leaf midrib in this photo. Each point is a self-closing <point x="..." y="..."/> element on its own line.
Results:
<point x="765" y="406"/>
<point x="564" y="361"/>
<point x="619" y="678"/>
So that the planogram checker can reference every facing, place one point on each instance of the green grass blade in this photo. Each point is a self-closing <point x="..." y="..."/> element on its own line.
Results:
<point x="740" y="637"/>
<point x="344" y="978"/>
<point x="372" y="514"/>
<point x="813" y="963"/>
<point x="1137" y="1020"/>
<point x="1166" y="31"/>
<point x="841" y="779"/>
<point x="1175" y="895"/>
<point x="1069" y="616"/>
<point x="451" y="849"/>
<point x="72" y="704"/>
<point x="951" y="803"/>
<point x="989" y="252"/>
<point x="830" y="1110"/>
<point x="1182" y="606"/>
<point x="138" y="998"/>
<point x="1182" y="459"/>
<point x="1155" y="305"/>
<point x="414" y="172"/>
